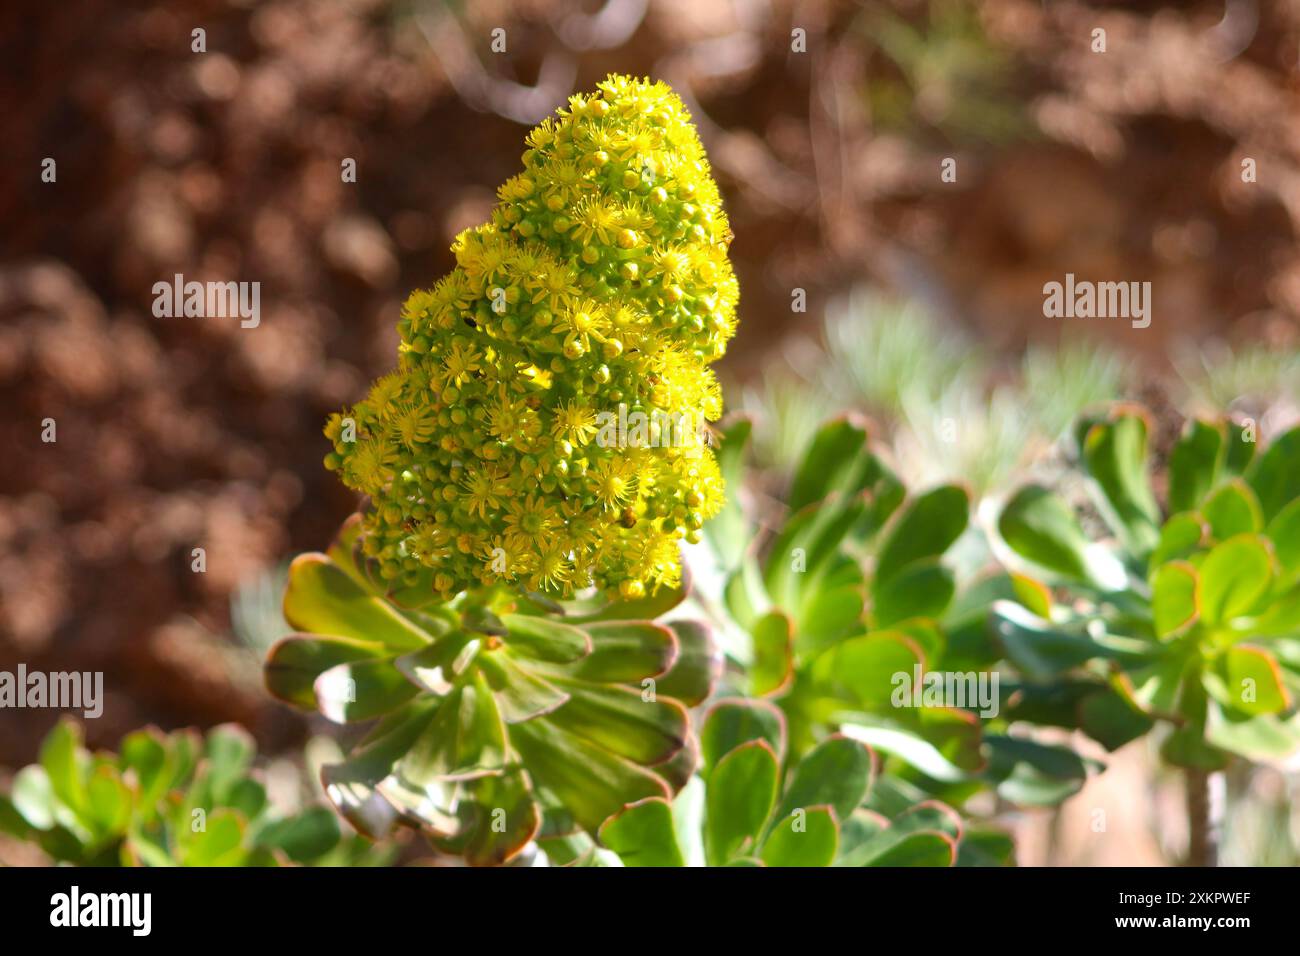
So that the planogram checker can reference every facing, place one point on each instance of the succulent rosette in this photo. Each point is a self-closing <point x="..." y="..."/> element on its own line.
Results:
<point x="544" y="434"/>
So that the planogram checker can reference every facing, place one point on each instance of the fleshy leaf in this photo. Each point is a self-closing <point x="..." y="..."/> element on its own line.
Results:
<point x="741" y="791"/>
<point x="642" y="834"/>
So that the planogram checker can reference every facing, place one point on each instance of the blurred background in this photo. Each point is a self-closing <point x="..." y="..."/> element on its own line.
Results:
<point x="828" y="123"/>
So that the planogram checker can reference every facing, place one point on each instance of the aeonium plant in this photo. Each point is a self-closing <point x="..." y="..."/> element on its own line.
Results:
<point x="174" y="799"/>
<point x="755" y="804"/>
<point x="851" y="605"/>
<point x="530" y="468"/>
<point x="1185" y="617"/>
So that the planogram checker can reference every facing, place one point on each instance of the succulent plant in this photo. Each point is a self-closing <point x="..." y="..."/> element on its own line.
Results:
<point x="496" y="714"/>
<point x="854" y="587"/>
<point x="546" y="422"/>
<point x="850" y="590"/>
<point x="753" y="805"/>
<point x="1188" y="615"/>
<point x="165" y="800"/>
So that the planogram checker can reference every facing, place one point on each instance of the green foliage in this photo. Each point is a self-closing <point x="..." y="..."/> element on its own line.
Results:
<point x="811" y="624"/>
<point x="1187" y="616"/>
<point x="501" y="718"/>
<point x="1218" y="378"/>
<point x="165" y="800"/>
<point x="949" y="78"/>
<point x="756" y="805"/>
<point x="947" y="409"/>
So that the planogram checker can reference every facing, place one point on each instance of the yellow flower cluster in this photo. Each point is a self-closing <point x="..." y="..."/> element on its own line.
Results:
<point x="545" y="426"/>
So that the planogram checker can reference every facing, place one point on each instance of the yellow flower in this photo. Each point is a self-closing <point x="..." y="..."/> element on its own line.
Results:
<point x="530" y="521"/>
<point x="575" y="423"/>
<point x="511" y="442"/>
<point x="613" y="482"/>
<point x="484" y="491"/>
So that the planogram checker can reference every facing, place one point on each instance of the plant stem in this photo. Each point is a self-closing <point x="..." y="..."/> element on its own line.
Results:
<point x="1202" y="822"/>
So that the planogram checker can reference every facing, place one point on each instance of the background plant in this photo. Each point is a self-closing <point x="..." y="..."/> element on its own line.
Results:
<point x="754" y="805"/>
<point x="177" y="799"/>
<point x="1186" y="616"/>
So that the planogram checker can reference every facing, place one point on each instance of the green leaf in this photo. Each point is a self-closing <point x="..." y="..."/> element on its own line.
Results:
<point x="1234" y="576"/>
<point x="1115" y="455"/>
<point x="985" y="847"/>
<point x="806" y="836"/>
<point x="363" y="690"/>
<point x="926" y="528"/>
<point x="1284" y="531"/>
<point x="1037" y="647"/>
<point x="862" y="670"/>
<point x="466" y="738"/>
<point x="1261" y="737"/>
<point x="219" y="844"/>
<point x="741" y="791"/>
<point x="728" y="531"/>
<point x="229" y="751"/>
<point x="66" y="764"/>
<point x="642" y="834"/>
<point x="545" y="640"/>
<point x="304" y="836"/>
<point x="1194" y="464"/>
<point x="1040" y="527"/>
<point x="11" y="821"/>
<point x="33" y="799"/>
<point x="900" y="848"/>
<point x="1275" y="476"/>
<point x="628" y="651"/>
<point x="322" y="599"/>
<point x="1253" y="681"/>
<point x="1174" y="598"/>
<point x="499" y="817"/>
<point x="836" y="773"/>
<point x="1032" y="594"/>
<point x="246" y="795"/>
<point x="837" y="462"/>
<point x="1233" y="509"/>
<point x="143" y="754"/>
<point x="350" y="785"/>
<point x="929" y="815"/>
<point x="523" y="694"/>
<point x="1240" y="450"/>
<point x="1028" y="773"/>
<point x="109" y="802"/>
<point x="294" y="663"/>
<point x="591" y="783"/>
<point x="911" y="749"/>
<point x="833" y="610"/>
<point x="1181" y="535"/>
<point x="922" y="589"/>
<point x="773" y="665"/>
<point x="807" y="547"/>
<point x="697" y="667"/>
<point x="1112" y="719"/>
<point x="732" y="722"/>
<point x="622" y="721"/>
